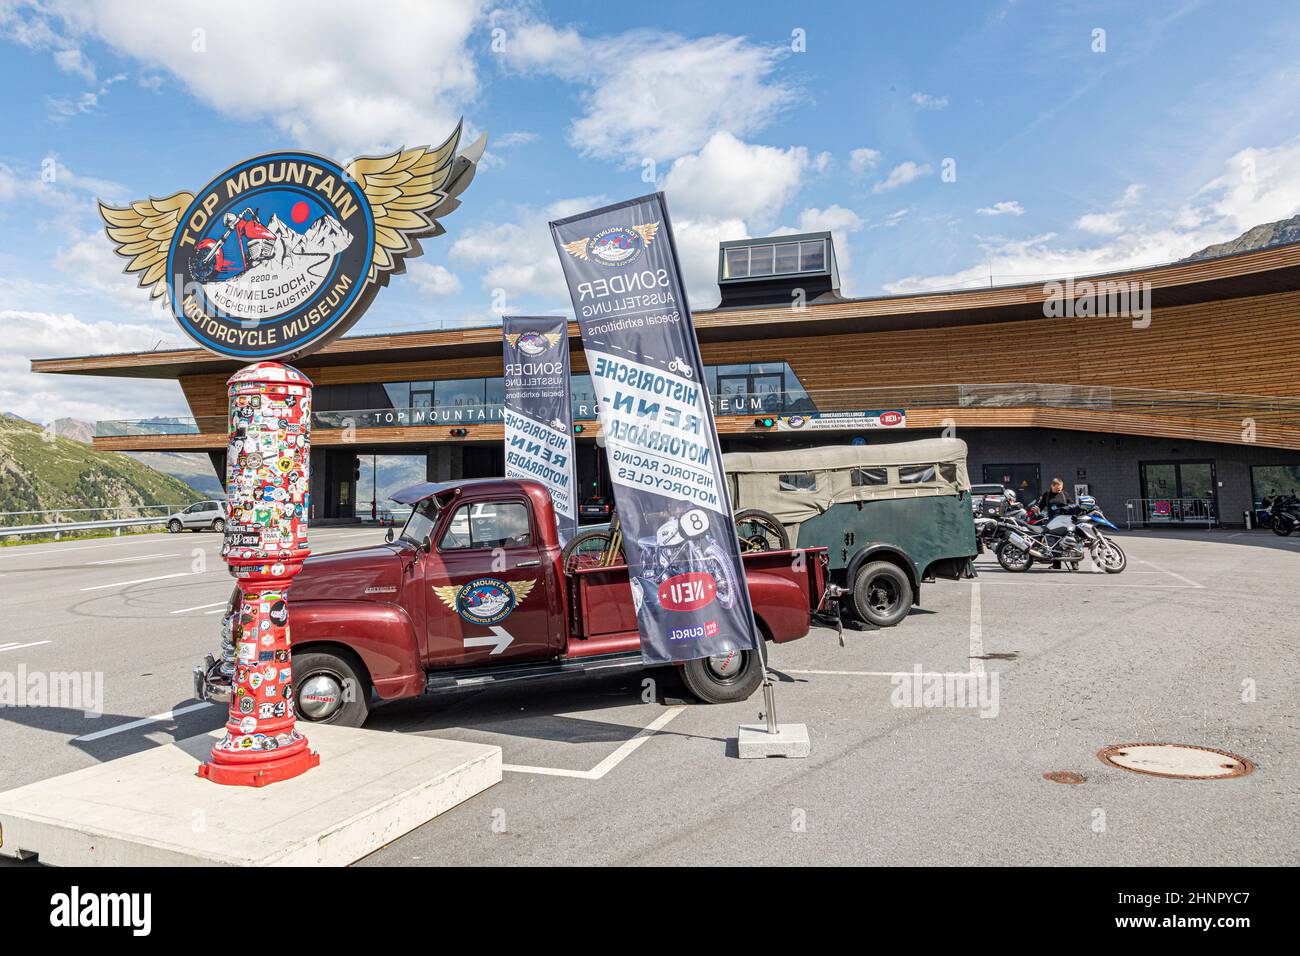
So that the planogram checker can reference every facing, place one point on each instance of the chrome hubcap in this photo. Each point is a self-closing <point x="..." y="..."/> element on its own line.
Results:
<point x="320" y="696"/>
<point x="726" y="665"/>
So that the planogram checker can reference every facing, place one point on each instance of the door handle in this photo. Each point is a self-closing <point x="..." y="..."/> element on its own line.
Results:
<point x="529" y="564"/>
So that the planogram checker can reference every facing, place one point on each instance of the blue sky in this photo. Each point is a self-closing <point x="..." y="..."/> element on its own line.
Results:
<point x="1073" y="150"/>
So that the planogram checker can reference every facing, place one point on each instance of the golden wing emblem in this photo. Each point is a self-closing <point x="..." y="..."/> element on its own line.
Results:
<point x="647" y="232"/>
<point x="552" y="338"/>
<point x="521" y="589"/>
<point x="447" y="595"/>
<point x="143" y="233"/>
<point x="514" y="340"/>
<point x="576" y="248"/>
<point x="408" y="192"/>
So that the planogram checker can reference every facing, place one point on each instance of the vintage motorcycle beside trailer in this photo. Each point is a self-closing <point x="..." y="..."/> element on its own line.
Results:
<point x="891" y="516"/>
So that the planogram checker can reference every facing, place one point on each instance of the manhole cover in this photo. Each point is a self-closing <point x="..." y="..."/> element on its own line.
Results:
<point x="1064" y="776"/>
<point x="1180" y="761"/>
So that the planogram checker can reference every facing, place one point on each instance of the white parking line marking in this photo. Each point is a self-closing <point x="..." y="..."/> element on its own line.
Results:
<point x="976" y="631"/>
<point x="199" y="607"/>
<point x="122" y="584"/>
<point x="135" y="557"/>
<point x="911" y="673"/>
<point x="19" y="647"/>
<point x="143" y="722"/>
<point x="15" y="551"/>
<point x="1188" y="581"/>
<point x="609" y="763"/>
<point x="1082" y="582"/>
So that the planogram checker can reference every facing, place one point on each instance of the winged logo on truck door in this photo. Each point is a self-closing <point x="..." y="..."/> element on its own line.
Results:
<point x="484" y="600"/>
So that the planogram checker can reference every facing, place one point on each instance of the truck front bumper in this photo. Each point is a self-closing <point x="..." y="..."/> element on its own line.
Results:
<point x="214" y="677"/>
<point x="210" y="683"/>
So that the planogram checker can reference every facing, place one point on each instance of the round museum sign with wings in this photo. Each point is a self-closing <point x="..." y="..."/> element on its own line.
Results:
<point x="282" y="253"/>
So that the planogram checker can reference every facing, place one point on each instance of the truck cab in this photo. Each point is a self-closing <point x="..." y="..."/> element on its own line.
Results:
<point x="473" y="591"/>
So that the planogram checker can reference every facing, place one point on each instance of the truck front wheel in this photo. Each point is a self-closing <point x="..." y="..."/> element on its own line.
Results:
<point x="330" y="690"/>
<point x="882" y="594"/>
<point x="723" y="679"/>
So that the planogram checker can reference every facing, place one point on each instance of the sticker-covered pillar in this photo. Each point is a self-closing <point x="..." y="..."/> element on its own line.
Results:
<point x="266" y="544"/>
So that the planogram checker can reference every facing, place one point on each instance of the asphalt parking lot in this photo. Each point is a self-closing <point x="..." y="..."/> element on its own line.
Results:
<point x="1194" y="644"/>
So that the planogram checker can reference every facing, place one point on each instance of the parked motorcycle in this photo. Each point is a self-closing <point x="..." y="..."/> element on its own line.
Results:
<point x="1068" y="539"/>
<point x="1283" y="514"/>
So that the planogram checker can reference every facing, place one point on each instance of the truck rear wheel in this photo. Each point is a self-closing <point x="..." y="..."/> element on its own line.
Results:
<point x="724" y="679"/>
<point x="329" y="689"/>
<point x="882" y="594"/>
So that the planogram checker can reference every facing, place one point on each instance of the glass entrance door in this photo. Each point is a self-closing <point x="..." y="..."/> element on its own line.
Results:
<point x="1179" y="492"/>
<point x="1024" y="479"/>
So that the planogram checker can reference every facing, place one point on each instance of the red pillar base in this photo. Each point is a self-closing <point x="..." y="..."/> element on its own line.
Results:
<point x="261" y="773"/>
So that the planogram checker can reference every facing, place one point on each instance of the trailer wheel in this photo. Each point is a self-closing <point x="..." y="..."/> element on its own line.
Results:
<point x="882" y="594"/>
<point x="330" y="689"/>
<point x="724" y="679"/>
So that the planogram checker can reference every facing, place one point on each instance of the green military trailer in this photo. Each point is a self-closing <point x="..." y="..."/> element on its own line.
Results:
<point x="892" y="515"/>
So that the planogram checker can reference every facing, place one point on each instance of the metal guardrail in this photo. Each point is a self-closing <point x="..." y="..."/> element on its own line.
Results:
<point x="58" y="527"/>
<point x="1157" y="512"/>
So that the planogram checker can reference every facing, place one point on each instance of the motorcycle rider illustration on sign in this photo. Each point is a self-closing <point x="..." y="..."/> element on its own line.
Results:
<point x="254" y="243"/>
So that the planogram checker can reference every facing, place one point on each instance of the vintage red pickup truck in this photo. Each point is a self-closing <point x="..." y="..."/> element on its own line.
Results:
<point x="474" y="591"/>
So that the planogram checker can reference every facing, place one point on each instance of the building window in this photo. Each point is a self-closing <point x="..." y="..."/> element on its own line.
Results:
<point x="1269" y="480"/>
<point x="737" y="263"/>
<point x="399" y="394"/>
<point x="787" y="258"/>
<point x="458" y="392"/>
<point x="812" y="255"/>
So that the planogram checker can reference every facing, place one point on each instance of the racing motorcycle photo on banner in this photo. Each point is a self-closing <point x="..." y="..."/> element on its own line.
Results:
<point x="665" y="463"/>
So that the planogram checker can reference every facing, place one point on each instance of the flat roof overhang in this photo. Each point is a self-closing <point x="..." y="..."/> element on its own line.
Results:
<point x="1261" y="272"/>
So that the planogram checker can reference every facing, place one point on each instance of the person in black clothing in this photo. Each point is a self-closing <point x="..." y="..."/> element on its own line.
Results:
<point x="1052" y="503"/>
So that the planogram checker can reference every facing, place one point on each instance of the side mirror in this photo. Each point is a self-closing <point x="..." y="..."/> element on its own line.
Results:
<point x="389" y="535"/>
<point x="427" y="544"/>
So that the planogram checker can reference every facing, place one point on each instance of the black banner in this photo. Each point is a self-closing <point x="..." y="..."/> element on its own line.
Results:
<point x="665" y="462"/>
<point x="539" y="411"/>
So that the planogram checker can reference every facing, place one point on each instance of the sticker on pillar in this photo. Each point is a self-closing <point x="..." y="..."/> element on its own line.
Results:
<point x="484" y="600"/>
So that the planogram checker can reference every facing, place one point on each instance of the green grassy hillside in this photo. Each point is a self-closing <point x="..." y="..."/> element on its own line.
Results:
<point x="38" y="470"/>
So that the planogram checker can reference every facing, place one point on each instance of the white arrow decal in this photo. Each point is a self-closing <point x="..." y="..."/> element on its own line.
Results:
<point x="498" y="643"/>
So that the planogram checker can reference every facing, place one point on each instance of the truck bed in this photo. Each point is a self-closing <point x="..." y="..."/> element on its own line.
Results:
<point x="784" y="586"/>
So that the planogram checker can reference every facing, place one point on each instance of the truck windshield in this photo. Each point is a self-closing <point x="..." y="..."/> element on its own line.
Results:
<point x="422" y="520"/>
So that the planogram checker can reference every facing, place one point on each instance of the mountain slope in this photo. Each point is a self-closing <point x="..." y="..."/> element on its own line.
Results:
<point x="38" y="470"/>
<point x="1258" y="237"/>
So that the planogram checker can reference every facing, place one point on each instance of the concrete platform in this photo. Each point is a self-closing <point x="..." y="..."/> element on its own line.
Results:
<point x="152" y="809"/>
<point x="790" y="740"/>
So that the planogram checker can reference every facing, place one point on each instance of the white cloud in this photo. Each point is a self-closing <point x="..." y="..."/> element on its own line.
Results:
<point x="730" y="179"/>
<point x="43" y="398"/>
<point x="928" y="102"/>
<point x="72" y="60"/>
<point x="1102" y="223"/>
<point x="902" y="174"/>
<point x="518" y="257"/>
<point x="336" y="81"/>
<point x="1258" y="185"/>
<point x="433" y="279"/>
<point x="1008" y="207"/>
<point x="863" y="160"/>
<point x="515" y="138"/>
<point x="897" y="216"/>
<point x="649" y="94"/>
